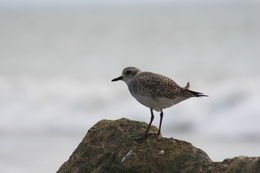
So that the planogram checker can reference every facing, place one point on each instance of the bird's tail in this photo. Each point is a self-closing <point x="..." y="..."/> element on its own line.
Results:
<point x="193" y="93"/>
<point x="197" y="94"/>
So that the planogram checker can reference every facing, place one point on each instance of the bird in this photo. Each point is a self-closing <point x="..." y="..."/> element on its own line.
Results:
<point x="155" y="91"/>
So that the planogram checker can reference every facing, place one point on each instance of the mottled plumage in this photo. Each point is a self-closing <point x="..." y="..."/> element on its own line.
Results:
<point x="156" y="85"/>
<point x="155" y="91"/>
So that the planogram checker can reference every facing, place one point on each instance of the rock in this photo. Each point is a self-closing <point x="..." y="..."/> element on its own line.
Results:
<point x="240" y="164"/>
<point x="115" y="146"/>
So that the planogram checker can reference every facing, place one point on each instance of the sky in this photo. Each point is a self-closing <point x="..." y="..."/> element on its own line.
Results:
<point x="79" y="3"/>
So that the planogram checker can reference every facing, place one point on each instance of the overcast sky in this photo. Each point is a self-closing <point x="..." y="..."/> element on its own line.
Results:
<point x="68" y="3"/>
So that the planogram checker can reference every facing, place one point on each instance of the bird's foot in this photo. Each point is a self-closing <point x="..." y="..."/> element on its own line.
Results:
<point x="143" y="138"/>
<point x="148" y="135"/>
<point x="158" y="134"/>
<point x="151" y="135"/>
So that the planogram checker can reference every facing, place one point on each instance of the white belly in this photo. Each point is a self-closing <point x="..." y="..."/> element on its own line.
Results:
<point x="158" y="103"/>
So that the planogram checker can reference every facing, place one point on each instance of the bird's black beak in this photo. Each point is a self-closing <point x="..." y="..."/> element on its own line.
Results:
<point x="116" y="79"/>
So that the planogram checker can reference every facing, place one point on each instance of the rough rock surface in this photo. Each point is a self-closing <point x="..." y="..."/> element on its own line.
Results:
<point x="115" y="146"/>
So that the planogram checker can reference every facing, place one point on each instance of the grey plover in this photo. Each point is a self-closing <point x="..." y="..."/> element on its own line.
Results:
<point x="155" y="91"/>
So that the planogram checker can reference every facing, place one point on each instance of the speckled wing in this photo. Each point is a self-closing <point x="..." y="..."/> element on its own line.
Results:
<point x="157" y="86"/>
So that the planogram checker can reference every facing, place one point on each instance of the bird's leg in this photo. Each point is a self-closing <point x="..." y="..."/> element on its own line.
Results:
<point x="151" y="120"/>
<point x="161" y="118"/>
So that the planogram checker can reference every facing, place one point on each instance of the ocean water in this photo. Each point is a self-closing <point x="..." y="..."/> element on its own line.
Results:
<point x="56" y="66"/>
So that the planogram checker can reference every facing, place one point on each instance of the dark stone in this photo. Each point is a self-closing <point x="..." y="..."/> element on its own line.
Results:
<point x="117" y="146"/>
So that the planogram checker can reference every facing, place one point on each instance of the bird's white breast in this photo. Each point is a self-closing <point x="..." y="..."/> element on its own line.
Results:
<point x="158" y="103"/>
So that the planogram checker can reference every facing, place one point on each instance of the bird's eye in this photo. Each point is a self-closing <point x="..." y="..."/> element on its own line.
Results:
<point x="128" y="72"/>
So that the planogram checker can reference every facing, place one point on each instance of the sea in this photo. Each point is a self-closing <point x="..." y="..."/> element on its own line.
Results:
<point x="56" y="66"/>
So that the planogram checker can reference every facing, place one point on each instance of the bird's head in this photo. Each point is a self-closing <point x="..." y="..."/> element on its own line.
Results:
<point x="127" y="74"/>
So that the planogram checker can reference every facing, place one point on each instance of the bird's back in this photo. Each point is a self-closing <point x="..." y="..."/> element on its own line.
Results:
<point x="156" y="86"/>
